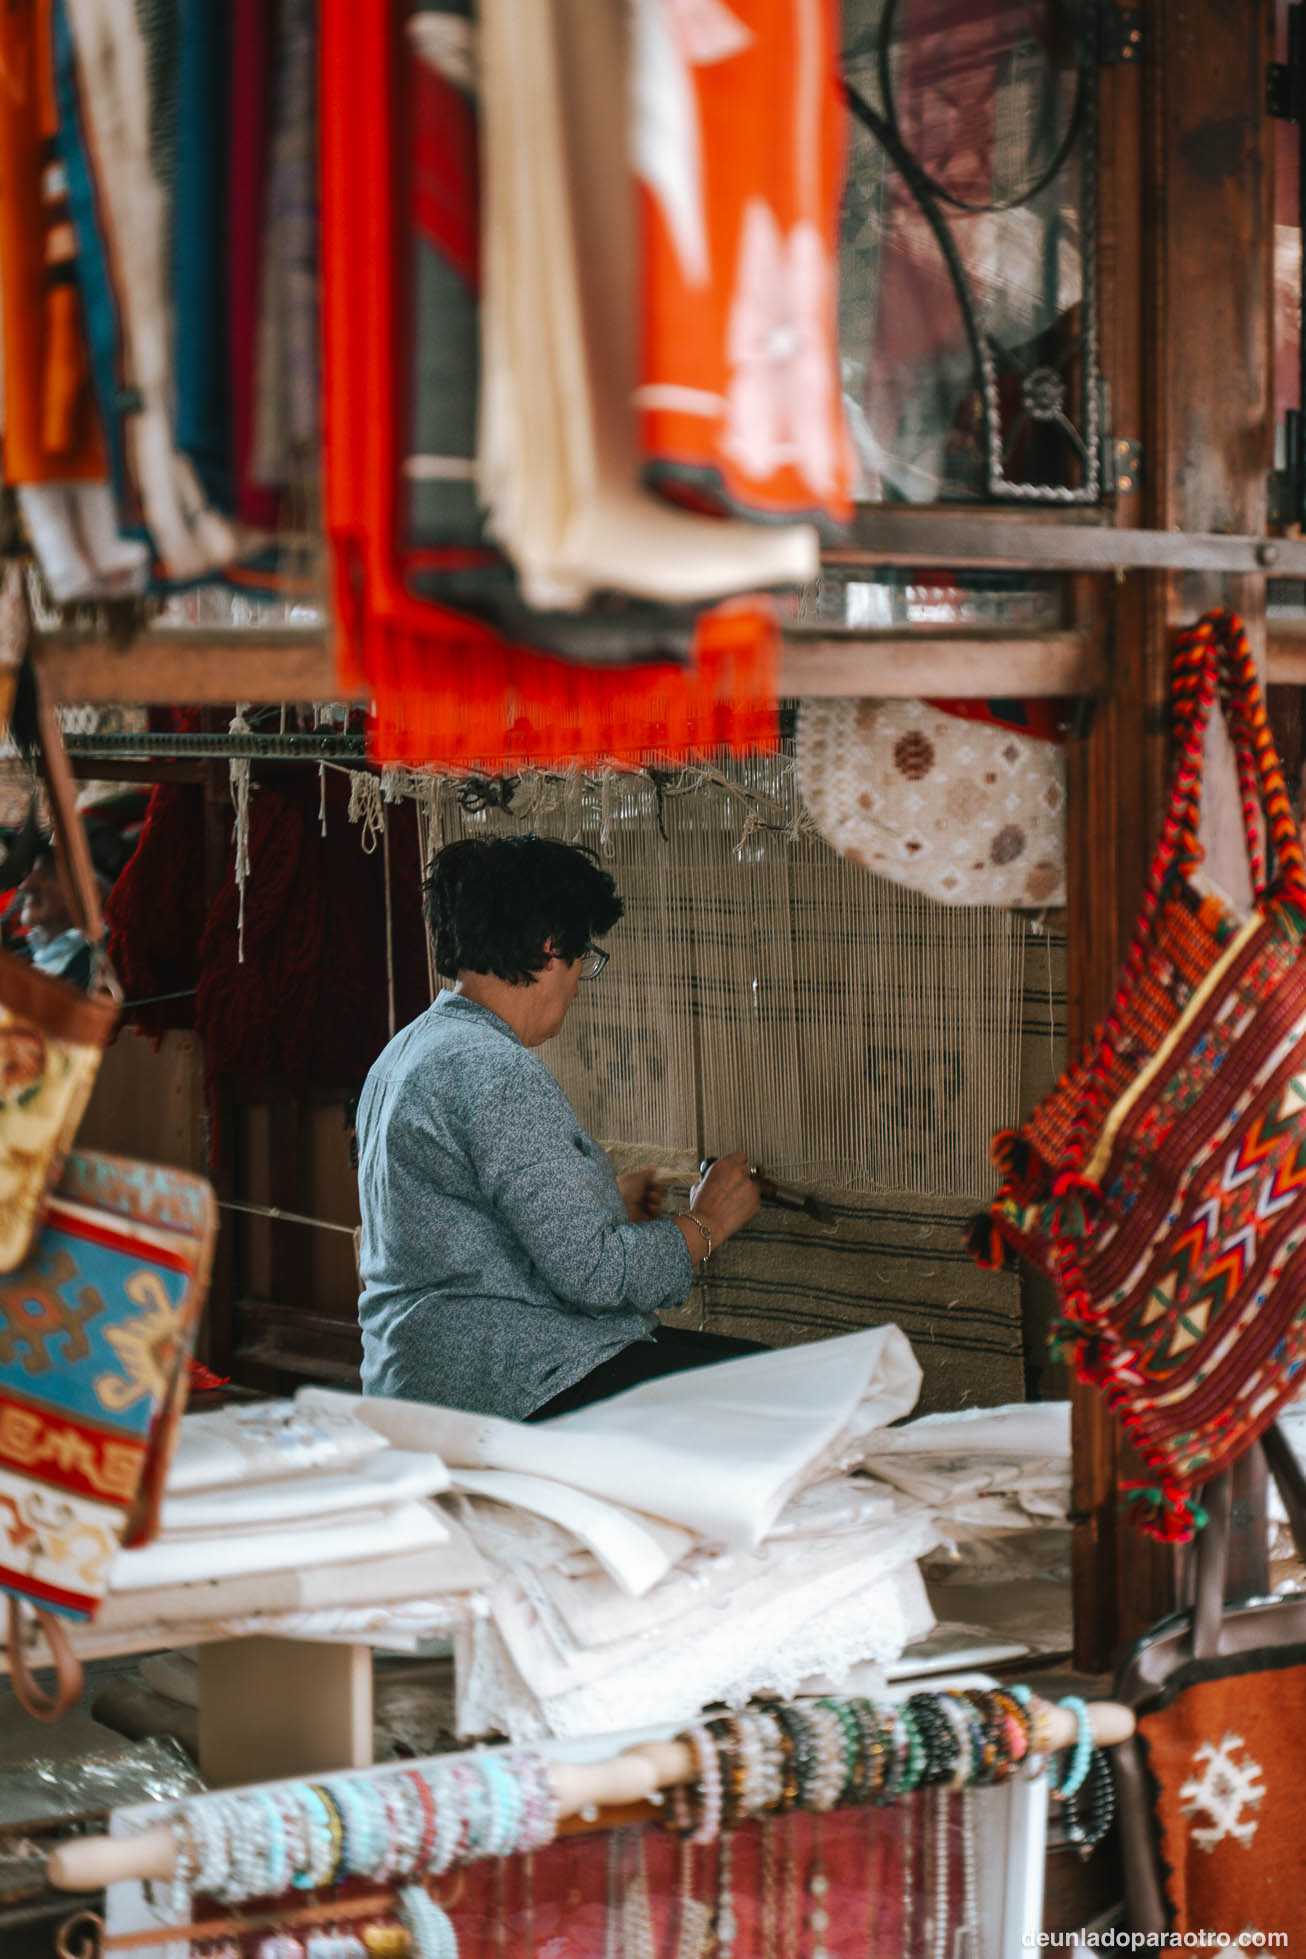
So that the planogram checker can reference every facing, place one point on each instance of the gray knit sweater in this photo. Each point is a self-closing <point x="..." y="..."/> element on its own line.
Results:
<point x="498" y="1263"/>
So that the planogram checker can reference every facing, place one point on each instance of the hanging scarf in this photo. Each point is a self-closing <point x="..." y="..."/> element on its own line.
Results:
<point x="199" y="265"/>
<point x="445" y="553"/>
<point x="739" y="145"/>
<point x="52" y="431"/>
<point x="115" y="71"/>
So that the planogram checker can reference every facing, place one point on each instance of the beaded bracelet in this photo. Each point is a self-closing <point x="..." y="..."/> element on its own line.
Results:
<point x="276" y="1848"/>
<point x="1102" y="1808"/>
<point x="539" y="1825"/>
<point x="1017" y="1722"/>
<point x="506" y="1806"/>
<point x="430" y="1929"/>
<point x="938" y="1736"/>
<point x="853" y="1746"/>
<point x="873" y="1767"/>
<point x="958" y="1717"/>
<point x="831" y="1775"/>
<point x="704" y="1826"/>
<point x="403" y="1827"/>
<point x="803" y="1763"/>
<point x="1081" y="1755"/>
<point x="773" y="1758"/>
<point x="729" y="1770"/>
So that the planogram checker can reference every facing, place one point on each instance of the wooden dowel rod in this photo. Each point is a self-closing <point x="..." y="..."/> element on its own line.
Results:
<point x="584" y="1788"/>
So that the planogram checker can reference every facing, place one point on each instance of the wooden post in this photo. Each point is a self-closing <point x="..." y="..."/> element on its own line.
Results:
<point x="1187" y="260"/>
<point x="271" y="1708"/>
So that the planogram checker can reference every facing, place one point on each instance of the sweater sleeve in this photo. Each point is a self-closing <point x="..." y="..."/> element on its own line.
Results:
<point x="554" y="1190"/>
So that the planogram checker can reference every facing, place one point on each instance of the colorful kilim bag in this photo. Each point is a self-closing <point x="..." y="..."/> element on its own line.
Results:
<point x="1163" y="1182"/>
<point x="96" y="1333"/>
<point x="52" y="1034"/>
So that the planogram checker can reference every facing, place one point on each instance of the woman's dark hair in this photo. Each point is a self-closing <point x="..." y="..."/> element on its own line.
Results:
<point x="495" y="903"/>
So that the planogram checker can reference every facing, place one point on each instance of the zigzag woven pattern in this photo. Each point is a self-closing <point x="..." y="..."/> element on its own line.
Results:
<point x="1163" y="1182"/>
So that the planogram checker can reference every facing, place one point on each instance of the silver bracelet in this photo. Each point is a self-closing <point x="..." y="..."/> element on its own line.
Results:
<point x="703" y="1231"/>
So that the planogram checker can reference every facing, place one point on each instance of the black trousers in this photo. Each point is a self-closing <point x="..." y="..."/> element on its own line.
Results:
<point x="671" y="1351"/>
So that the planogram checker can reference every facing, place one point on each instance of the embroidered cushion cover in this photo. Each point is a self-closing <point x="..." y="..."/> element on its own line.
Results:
<point x="967" y="812"/>
<point x="96" y="1332"/>
<point x="1163" y="1183"/>
<point x="1223" y="1751"/>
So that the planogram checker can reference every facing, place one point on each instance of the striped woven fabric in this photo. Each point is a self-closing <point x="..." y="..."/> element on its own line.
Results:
<point x="1163" y="1182"/>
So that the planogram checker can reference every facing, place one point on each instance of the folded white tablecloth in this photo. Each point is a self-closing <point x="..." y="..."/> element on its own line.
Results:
<point x="412" y="1526"/>
<point x="387" y="1477"/>
<point x="267" y="1440"/>
<point x="718" y="1450"/>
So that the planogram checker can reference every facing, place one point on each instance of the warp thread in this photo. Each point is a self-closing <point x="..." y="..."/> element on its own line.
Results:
<point x="242" y="787"/>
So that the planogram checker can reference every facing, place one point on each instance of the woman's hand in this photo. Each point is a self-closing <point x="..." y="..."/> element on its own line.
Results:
<point x="727" y="1199"/>
<point x="643" y="1194"/>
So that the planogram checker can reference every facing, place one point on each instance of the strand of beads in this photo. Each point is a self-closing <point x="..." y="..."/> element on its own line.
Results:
<point x="390" y="1825"/>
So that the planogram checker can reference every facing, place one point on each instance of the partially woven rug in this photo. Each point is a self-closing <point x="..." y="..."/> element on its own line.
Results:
<point x="894" y="1259"/>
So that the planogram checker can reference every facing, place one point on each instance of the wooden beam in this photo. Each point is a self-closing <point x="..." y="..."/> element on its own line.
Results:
<point x="200" y="670"/>
<point x="896" y="535"/>
<point x="941" y="666"/>
<point x="192" y="669"/>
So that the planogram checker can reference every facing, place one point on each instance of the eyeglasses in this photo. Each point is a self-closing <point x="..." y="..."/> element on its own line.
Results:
<point x="592" y="962"/>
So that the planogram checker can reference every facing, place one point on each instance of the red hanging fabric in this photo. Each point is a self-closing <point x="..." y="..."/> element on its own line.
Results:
<point x="446" y="689"/>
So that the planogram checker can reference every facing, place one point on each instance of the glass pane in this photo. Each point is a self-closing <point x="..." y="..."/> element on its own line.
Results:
<point x="862" y="599"/>
<point x="968" y="321"/>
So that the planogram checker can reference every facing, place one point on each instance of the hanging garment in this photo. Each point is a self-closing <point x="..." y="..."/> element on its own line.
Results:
<point x="115" y="83"/>
<point x="739" y="120"/>
<point x="444" y="686"/>
<point x="558" y="464"/>
<point x="1161" y="1183"/>
<point x="52" y="432"/>
<point x="253" y="45"/>
<point x="967" y="811"/>
<point x="445" y="553"/>
<point x="309" y="1001"/>
<point x="54" y="447"/>
<point x="286" y="420"/>
<point x="199" y="233"/>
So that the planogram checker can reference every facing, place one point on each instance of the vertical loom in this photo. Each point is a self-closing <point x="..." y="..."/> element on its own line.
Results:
<point x="765" y="995"/>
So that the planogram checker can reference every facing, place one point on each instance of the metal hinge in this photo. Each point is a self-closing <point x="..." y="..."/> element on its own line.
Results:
<point x="1119" y="35"/>
<point x="1284" y="486"/>
<point x="1122" y="460"/>
<point x="1285" y="93"/>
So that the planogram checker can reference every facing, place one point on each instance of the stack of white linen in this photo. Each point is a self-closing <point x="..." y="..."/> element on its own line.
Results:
<point x="699" y="1538"/>
<point x="275" y="1507"/>
<point x="998" y="1482"/>
<point x="984" y="1470"/>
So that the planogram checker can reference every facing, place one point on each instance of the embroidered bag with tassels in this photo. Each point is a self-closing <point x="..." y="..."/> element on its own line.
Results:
<point x="96" y="1332"/>
<point x="1163" y="1182"/>
<point x="52" y="1034"/>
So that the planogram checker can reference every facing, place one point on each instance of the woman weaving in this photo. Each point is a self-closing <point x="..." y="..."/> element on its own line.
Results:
<point x="506" y="1269"/>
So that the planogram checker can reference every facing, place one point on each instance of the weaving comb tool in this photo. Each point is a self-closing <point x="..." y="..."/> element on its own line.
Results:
<point x="786" y="1198"/>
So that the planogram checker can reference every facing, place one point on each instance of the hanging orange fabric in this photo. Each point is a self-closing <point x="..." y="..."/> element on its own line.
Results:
<point x="739" y="147"/>
<point x="52" y="431"/>
<point x="447" y="689"/>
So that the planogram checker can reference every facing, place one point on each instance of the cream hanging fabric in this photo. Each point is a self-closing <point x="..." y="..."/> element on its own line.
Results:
<point x="557" y="467"/>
